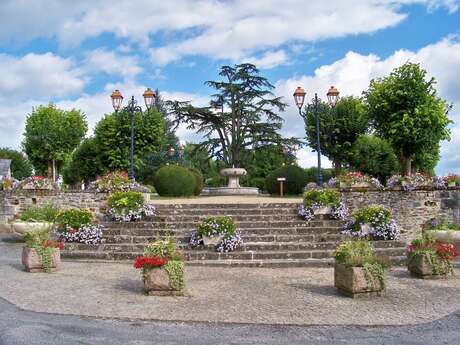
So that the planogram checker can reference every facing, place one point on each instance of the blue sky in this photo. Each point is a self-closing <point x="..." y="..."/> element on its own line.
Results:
<point x="76" y="53"/>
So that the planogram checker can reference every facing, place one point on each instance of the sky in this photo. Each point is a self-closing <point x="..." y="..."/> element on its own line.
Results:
<point x="75" y="53"/>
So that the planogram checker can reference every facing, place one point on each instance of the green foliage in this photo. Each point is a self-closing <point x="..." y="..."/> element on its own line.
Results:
<point x="213" y="226"/>
<point x="442" y="224"/>
<point x="36" y="237"/>
<point x="112" y="136"/>
<point x="374" y="156"/>
<point x="85" y="163"/>
<point x="215" y="181"/>
<point x="165" y="249"/>
<point x="258" y="182"/>
<point x="406" y="111"/>
<point x="339" y="127"/>
<point x="176" y="273"/>
<point x="124" y="202"/>
<point x="52" y="134"/>
<point x="312" y="174"/>
<point x="325" y="197"/>
<point x="376" y="215"/>
<point x="45" y="213"/>
<point x="20" y="165"/>
<point x="73" y="218"/>
<point x="173" y="180"/>
<point x="247" y="115"/>
<point x="198" y="181"/>
<point x="296" y="179"/>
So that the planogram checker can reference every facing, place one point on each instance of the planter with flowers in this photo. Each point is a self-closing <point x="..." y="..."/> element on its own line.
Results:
<point x="452" y="180"/>
<point x="431" y="259"/>
<point x="217" y="232"/>
<point x="355" y="180"/>
<point x="116" y="181"/>
<point x="8" y="183"/>
<point x="321" y="202"/>
<point x="79" y="226"/>
<point x="373" y="222"/>
<point x="410" y="182"/>
<point x="358" y="271"/>
<point x="41" y="254"/>
<point x="37" y="183"/>
<point x="36" y="217"/>
<point x="128" y="207"/>
<point x="444" y="231"/>
<point x="162" y="268"/>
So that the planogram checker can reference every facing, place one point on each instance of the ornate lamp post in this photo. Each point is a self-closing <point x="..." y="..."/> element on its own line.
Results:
<point x="299" y="98"/>
<point x="131" y="108"/>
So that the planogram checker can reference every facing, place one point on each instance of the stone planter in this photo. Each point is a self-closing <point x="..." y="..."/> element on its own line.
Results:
<point x="157" y="283"/>
<point x="451" y="184"/>
<point x="361" y="185"/>
<point x="343" y="185"/>
<point x="323" y="210"/>
<point x="212" y="241"/>
<point x="33" y="263"/>
<point x="352" y="282"/>
<point x="449" y="236"/>
<point x="22" y="228"/>
<point x="420" y="266"/>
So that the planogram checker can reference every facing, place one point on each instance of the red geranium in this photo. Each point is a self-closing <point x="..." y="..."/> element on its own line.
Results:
<point x="149" y="262"/>
<point x="446" y="251"/>
<point x="53" y="244"/>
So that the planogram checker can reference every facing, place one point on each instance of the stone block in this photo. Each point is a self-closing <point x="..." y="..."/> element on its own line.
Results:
<point x="352" y="282"/>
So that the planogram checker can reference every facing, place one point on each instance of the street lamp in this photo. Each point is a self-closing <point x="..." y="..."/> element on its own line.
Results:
<point x="132" y="107"/>
<point x="332" y="97"/>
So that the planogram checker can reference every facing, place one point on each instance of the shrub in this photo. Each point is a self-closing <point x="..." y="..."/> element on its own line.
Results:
<point x="317" y="198"/>
<point x="258" y="182"/>
<point x="215" y="181"/>
<point x="113" y="182"/>
<point x="173" y="180"/>
<point x="296" y="179"/>
<point x="216" y="226"/>
<point x="45" y="213"/>
<point x="165" y="249"/>
<point x="198" y="181"/>
<point x="374" y="222"/>
<point x="73" y="218"/>
<point x="128" y="206"/>
<point x="312" y="174"/>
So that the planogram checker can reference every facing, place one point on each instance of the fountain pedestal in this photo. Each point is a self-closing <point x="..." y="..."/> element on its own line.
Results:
<point x="233" y="187"/>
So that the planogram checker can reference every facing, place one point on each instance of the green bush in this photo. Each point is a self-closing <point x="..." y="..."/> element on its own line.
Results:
<point x="312" y="174"/>
<point x="323" y="197"/>
<point x="165" y="248"/>
<point x="36" y="237"/>
<point x="359" y="253"/>
<point x="199" y="183"/>
<point x="258" y="182"/>
<point x="174" y="180"/>
<point x="45" y="213"/>
<point x="215" y="181"/>
<point x="212" y="226"/>
<point x="296" y="179"/>
<point x="73" y="218"/>
<point x="124" y="202"/>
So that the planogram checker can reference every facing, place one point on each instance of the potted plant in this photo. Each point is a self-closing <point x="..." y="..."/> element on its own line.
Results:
<point x="321" y="202"/>
<point x="162" y="268"/>
<point x="373" y="222"/>
<point x="41" y="254"/>
<point x="358" y="271"/>
<point x="36" y="217"/>
<point x="443" y="230"/>
<point x="356" y="180"/>
<point x="128" y="206"/>
<point x="37" y="183"/>
<point x="218" y="232"/>
<point x="452" y="180"/>
<point x="428" y="258"/>
<point x="409" y="182"/>
<point x="78" y="225"/>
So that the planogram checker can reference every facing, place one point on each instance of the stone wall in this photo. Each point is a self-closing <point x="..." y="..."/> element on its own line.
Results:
<point x="410" y="209"/>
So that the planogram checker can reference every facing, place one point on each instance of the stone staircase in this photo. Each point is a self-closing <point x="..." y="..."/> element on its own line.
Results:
<point x="273" y="235"/>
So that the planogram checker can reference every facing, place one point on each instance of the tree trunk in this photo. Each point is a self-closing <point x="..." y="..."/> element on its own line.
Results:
<point x="406" y="164"/>
<point x="337" y="167"/>
<point x="50" y="169"/>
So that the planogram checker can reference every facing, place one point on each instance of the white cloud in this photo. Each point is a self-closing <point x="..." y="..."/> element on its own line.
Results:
<point x="101" y="60"/>
<point x="269" y="59"/>
<point x="36" y="76"/>
<point x="352" y="73"/>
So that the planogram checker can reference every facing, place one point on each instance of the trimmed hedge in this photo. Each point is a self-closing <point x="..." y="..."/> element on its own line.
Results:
<point x="199" y="183"/>
<point x="174" y="180"/>
<point x="296" y="179"/>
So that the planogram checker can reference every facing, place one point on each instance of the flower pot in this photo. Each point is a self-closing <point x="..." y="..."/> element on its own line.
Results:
<point x="421" y="266"/>
<point x="212" y="241"/>
<point x="158" y="283"/>
<point x="33" y="262"/>
<point x="343" y="185"/>
<point x="351" y="281"/>
<point x="451" y="184"/>
<point x="361" y="185"/>
<point x="22" y="228"/>
<point x="323" y="210"/>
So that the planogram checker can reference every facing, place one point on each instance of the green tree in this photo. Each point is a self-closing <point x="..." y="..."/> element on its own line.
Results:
<point x="112" y="135"/>
<point x="406" y="111"/>
<point x="426" y="160"/>
<point x="20" y="165"/>
<point x="339" y="127"/>
<point x="374" y="156"/>
<point x="243" y="114"/>
<point x="85" y="163"/>
<point x="50" y="136"/>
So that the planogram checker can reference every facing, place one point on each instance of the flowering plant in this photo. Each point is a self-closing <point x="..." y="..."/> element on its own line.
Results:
<point x="452" y="179"/>
<point x="78" y="225"/>
<point x="316" y="199"/>
<point x="115" y="181"/>
<point x="8" y="183"/>
<point x="435" y="224"/>
<point x="36" y="182"/>
<point x="128" y="206"/>
<point x="409" y="182"/>
<point x="218" y="226"/>
<point x="439" y="182"/>
<point x="147" y="263"/>
<point x="372" y="222"/>
<point x="39" y="240"/>
<point x="353" y="178"/>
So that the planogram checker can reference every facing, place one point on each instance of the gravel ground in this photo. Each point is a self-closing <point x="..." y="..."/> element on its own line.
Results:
<point x="234" y="199"/>
<point x="296" y="296"/>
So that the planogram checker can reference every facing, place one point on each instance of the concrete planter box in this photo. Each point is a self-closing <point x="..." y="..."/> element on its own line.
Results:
<point x="352" y="282"/>
<point x="421" y="267"/>
<point x="212" y="241"/>
<point x="33" y="263"/>
<point x="157" y="283"/>
<point x="22" y="228"/>
<point x="361" y="185"/>
<point x="323" y="210"/>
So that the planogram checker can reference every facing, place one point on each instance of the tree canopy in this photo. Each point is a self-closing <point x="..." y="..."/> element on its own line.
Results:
<point x="51" y="134"/>
<point x="20" y="165"/>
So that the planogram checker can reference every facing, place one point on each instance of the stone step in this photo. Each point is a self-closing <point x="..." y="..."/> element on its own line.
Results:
<point x="236" y="218"/>
<point x="239" y="206"/>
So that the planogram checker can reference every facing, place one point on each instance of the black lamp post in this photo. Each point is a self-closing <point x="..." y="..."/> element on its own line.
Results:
<point x="132" y="107"/>
<point x="333" y="97"/>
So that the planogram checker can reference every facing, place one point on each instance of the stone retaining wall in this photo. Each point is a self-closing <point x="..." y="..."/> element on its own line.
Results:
<point x="410" y="209"/>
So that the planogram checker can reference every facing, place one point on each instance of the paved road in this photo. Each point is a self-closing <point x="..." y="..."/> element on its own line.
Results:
<point x="18" y="327"/>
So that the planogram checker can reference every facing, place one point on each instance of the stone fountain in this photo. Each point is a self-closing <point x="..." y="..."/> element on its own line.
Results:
<point x="233" y="187"/>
